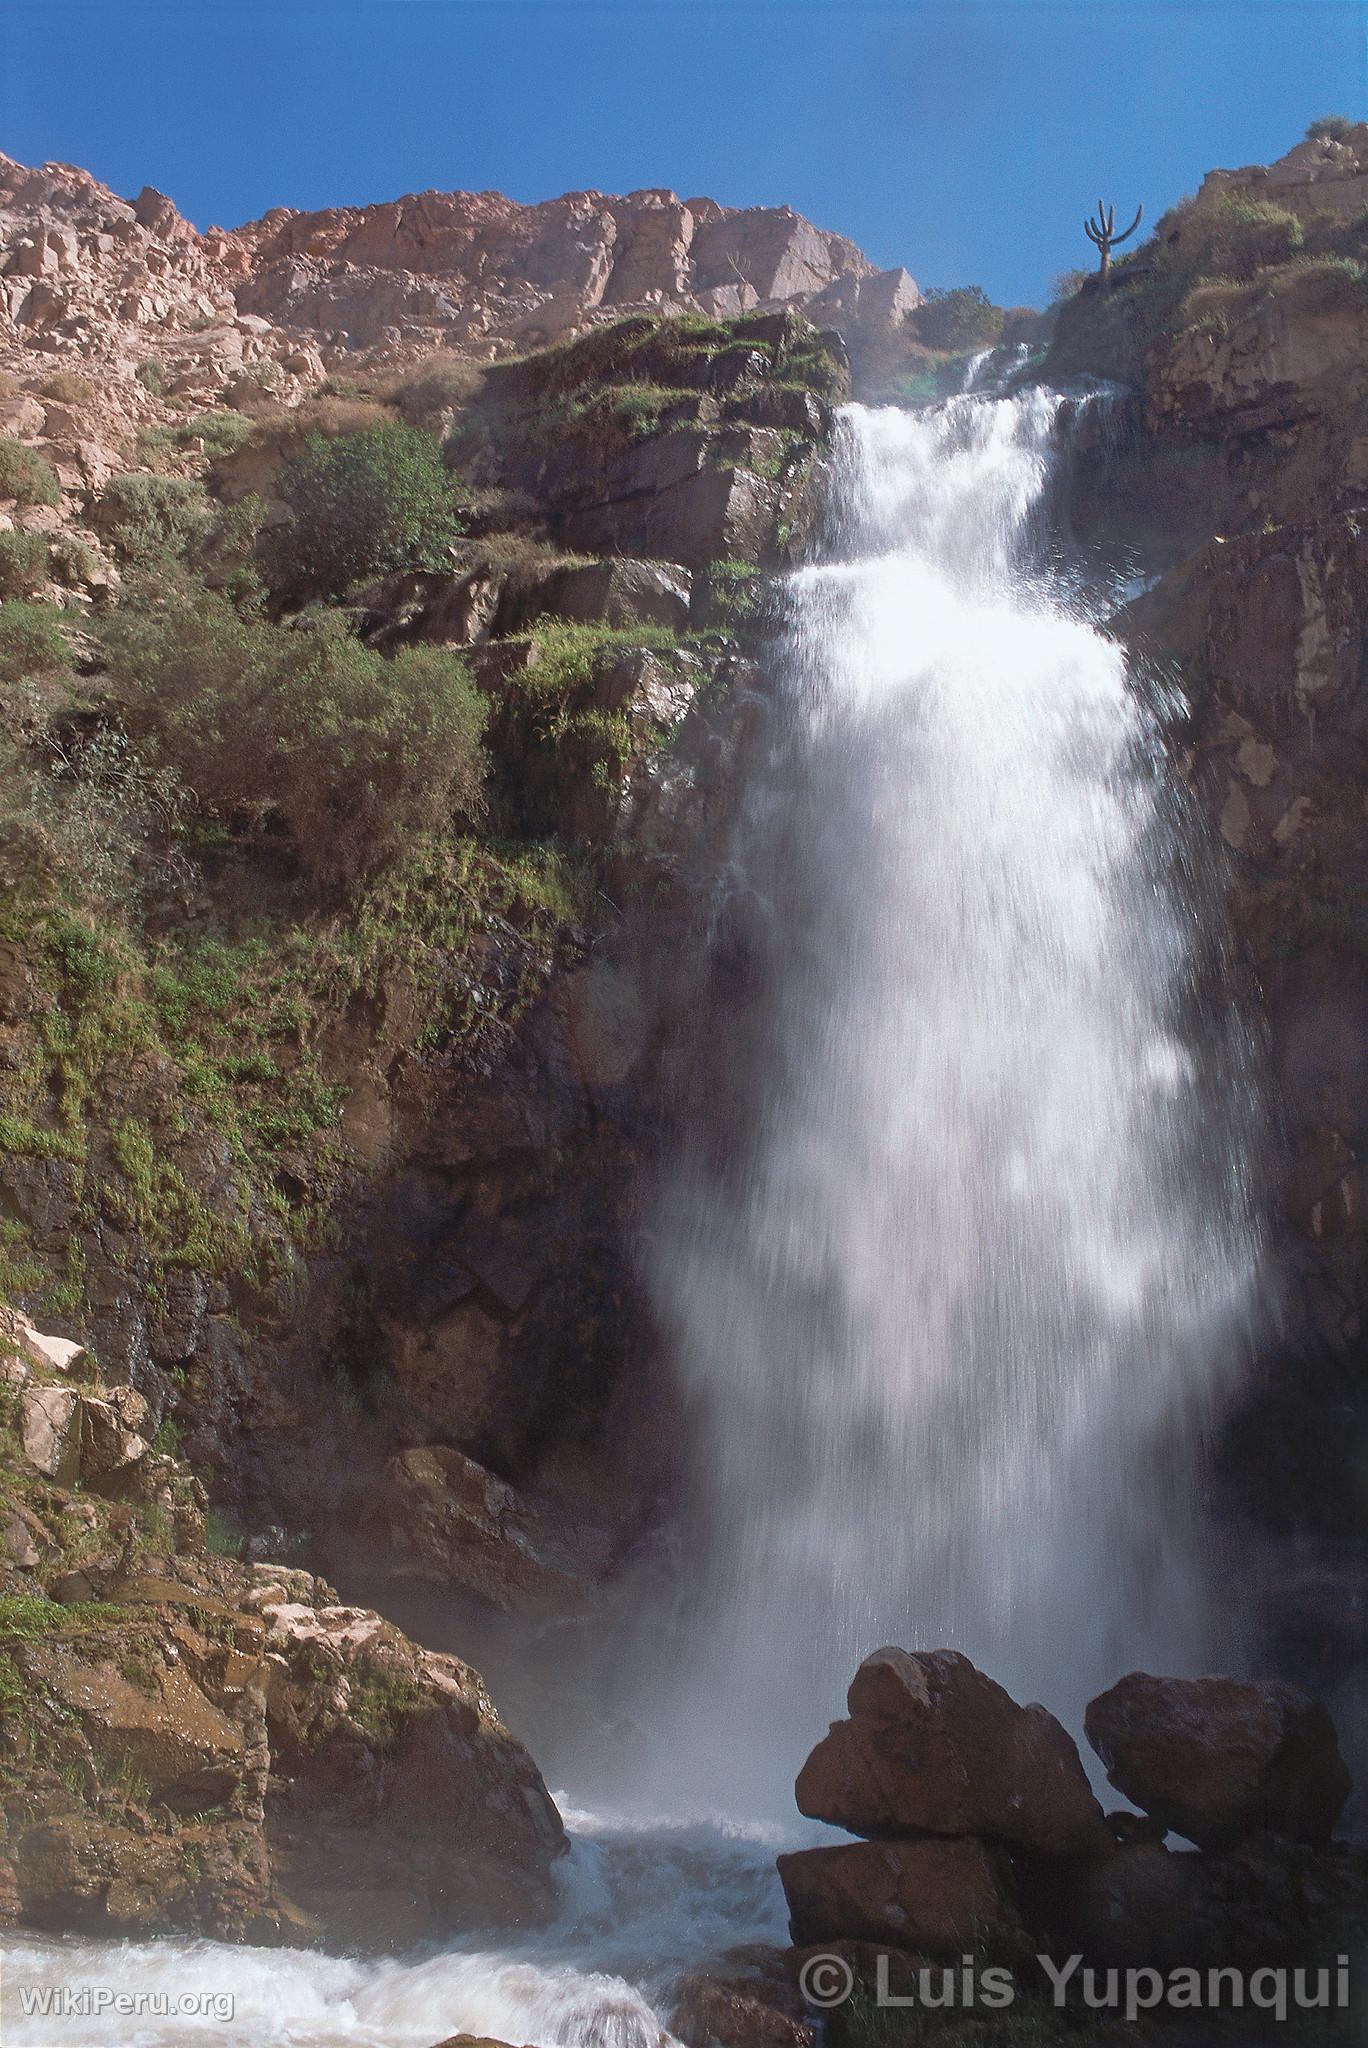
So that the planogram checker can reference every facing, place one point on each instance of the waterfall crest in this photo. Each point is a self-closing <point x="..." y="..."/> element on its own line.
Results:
<point x="954" y="1286"/>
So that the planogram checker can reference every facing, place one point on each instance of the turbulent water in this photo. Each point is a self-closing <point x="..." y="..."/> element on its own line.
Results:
<point x="951" y="1270"/>
<point x="952" y="1288"/>
<point x="641" y="1903"/>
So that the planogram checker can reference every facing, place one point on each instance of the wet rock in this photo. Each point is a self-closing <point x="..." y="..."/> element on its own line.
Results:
<point x="934" y="1896"/>
<point x="150" y="1717"/>
<point x="1217" y="1759"/>
<point x="748" y="1998"/>
<point x="934" y="1747"/>
<point x="400" y="1807"/>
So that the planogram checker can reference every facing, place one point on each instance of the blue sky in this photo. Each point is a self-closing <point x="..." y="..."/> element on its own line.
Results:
<point x="964" y="138"/>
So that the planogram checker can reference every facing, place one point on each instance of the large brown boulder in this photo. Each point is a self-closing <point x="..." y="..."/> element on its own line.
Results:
<point x="933" y="1897"/>
<point x="933" y="1747"/>
<point x="1217" y="1759"/>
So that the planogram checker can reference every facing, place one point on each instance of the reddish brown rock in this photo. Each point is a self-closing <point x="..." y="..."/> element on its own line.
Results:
<point x="1217" y="1759"/>
<point x="937" y="1897"/>
<point x="747" y="1998"/>
<point x="933" y="1747"/>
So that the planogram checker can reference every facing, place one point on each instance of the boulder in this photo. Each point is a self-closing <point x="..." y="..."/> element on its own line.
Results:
<point x="933" y="1747"/>
<point x="1218" y="1759"/>
<point x="936" y="1897"/>
<point x="622" y="593"/>
<point x="50" y="1431"/>
<point x="400" y="1807"/>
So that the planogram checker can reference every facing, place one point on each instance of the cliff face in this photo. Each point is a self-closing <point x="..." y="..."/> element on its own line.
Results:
<point x="83" y="270"/>
<point x="1236" y="467"/>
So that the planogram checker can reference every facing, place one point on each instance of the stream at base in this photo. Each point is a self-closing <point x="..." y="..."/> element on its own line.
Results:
<point x="642" y="1903"/>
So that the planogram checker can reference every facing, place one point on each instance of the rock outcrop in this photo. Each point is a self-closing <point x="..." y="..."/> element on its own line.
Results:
<point x="190" y="1742"/>
<point x="988" y="1838"/>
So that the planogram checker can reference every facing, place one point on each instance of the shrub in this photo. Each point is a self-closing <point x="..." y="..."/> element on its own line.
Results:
<point x="32" y="642"/>
<point x="65" y="388"/>
<point x="1067" y="284"/>
<point x="1330" y="128"/>
<point x="27" y="475"/>
<point x="964" y="317"/>
<point x="363" y="504"/>
<point x="152" y="376"/>
<point x="23" y="563"/>
<point x="151" y="519"/>
<point x="213" y="434"/>
<point x="300" y="726"/>
<point x="1239" y="236"/>
<point x="72" y="560"/>
<point x="441" y="384"/>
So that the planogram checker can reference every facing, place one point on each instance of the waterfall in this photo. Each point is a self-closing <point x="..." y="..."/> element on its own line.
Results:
<point x="959" y="1250"/>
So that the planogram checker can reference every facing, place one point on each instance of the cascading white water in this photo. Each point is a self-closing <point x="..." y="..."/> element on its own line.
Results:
<point x="952" y="1290"/>
<point x="966" y="1260"/>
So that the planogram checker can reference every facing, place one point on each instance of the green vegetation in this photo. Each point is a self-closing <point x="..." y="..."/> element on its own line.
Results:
<point x="382" y="1702"/>
<point x="362" y="504"/>
<point x="26" y="476"/>
<point x="32" y="643"/>
<point x="301" y="729"/>
<point x="72" y="560"/>
<point x="958" y="319"/>
<point x="23" y="563"/>
<point x="151" y="520"/>
<point x="210" y="434"/>
<point x="28" y="1619"/>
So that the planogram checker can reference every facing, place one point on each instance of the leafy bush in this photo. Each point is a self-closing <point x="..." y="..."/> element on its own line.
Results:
<point x="362" y="505"/>
<point x="1067" y="284"/>
<point x="72" y="560"/>
<point x="23" y="563"/>
<point x="301" y="726"/>
<point x="152" y="376"/>
<point x="26" y="475"/>
<point x="964" y="317"/>
<point x="152" y="519"/>
<point x="32" y="642"/>
<point x="1330" y="128"/>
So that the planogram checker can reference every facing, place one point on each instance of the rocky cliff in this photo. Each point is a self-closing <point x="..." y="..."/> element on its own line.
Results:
<point x="1235" y="459"/>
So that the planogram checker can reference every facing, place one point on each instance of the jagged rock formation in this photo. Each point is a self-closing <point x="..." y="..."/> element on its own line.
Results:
<point x="86" y="273"/>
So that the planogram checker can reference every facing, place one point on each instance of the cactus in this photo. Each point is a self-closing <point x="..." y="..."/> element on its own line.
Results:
<point x="1102" y="231"/>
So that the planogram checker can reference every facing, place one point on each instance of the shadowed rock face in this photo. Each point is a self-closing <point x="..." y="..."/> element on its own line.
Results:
<point x="1217" y="1759"/>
